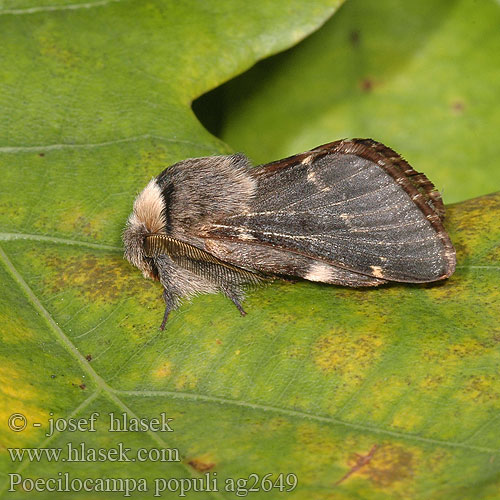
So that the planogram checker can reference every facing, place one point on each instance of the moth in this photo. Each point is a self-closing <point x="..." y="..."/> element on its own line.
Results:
<point x="351" y="212"/>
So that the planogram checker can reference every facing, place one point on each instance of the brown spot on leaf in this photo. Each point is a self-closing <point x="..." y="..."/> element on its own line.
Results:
<point x="391" y="463"/>
<point x="458" y="107"/>
<point x="88" y="357"/>
<point x="360" y="461"/>
<point x="41" y="154"/>
<point x="82" y="387"/>
<point x="367" y="85"/>
<point x="354" y="37"/>
<point x="201" y="465"/>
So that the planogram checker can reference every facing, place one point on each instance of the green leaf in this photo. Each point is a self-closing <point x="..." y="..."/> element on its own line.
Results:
<point x="422" y="77"/>
<point x="381" y="393"/>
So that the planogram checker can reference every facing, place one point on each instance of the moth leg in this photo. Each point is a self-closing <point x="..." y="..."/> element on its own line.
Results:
<point x="236" y="296"/>
<point x="170" y="303"/>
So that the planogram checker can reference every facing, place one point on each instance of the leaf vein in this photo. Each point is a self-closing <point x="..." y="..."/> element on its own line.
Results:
<point x="304" y="415"/>
<point x="134" y="138"/>
<point x="52" y="8"/>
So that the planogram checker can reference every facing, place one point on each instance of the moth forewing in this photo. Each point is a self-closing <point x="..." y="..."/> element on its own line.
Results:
<point x="351" y="204"/>
<point x="352" y="213"/>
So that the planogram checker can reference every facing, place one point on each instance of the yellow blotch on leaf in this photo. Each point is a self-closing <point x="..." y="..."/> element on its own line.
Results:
<point x="347" y="354"/>
<point x="431" y="382"/>
<point x="408" y="419"/>
<point x="465" y="349"/>
<point x="186" y="381"/>
<point x="17" y="397"/>
<point x="164" y="370"/>
<point x="52" y="47"/>
<point x="481" y="389"/>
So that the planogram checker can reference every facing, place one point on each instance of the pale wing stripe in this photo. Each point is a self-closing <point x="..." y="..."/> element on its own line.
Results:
<point x="367" y="229"/>
<point x="381" y="210"/>
<point x="379" y="243"/>
<point x="294" y="212"/>
<point x="354" y="249"/>
<point x="252" y="214"/>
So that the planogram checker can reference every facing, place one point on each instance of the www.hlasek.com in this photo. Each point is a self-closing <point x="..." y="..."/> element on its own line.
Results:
<point x="241" y="487"/>
<point x="81" y="452"/>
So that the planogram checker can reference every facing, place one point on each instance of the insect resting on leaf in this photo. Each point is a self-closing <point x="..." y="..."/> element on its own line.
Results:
<point x="351" y="212"/>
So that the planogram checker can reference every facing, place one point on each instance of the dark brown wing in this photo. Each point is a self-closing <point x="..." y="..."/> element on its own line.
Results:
<point x="355" y="205"/>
